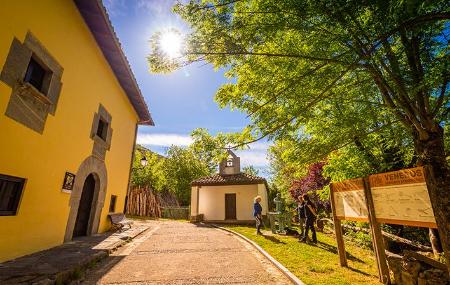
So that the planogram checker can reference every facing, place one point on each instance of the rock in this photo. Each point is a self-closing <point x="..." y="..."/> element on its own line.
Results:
<point x="435" y="277"/>
<point x="408" y="279"/>
<point x="413" y="267"/>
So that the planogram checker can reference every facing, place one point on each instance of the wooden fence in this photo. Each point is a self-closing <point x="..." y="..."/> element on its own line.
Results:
<point x="143" y="201"/>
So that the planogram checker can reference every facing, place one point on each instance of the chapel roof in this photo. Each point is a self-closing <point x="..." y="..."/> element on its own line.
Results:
<point x="231" y="179"/>
<point x="97" y="20"/>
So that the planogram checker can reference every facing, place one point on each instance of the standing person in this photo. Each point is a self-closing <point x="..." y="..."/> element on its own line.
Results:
<point x="301" y="215"/>
<point x="257" y="213"/>
<point x="310" y="214"/>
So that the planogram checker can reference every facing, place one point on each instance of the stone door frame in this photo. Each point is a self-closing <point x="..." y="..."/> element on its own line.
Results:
<point x="97" y="168"/>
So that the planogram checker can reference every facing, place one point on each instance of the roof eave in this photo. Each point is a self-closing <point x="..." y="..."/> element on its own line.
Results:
<point x="97" y="20"/>
<point x="228" y="183"/>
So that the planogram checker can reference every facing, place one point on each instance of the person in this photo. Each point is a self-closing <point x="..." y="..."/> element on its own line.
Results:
<point x="257" y="213"/>
<point x="301" y="215"/>
<point x="310" y="214"/>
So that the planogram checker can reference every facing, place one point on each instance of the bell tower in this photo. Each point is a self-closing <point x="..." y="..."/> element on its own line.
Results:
<point x="231" y="165"/>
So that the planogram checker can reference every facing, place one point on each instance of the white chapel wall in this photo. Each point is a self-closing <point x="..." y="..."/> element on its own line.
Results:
<point x="212" y="201"/>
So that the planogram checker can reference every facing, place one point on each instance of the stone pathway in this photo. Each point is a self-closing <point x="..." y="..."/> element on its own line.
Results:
<point x="59" y="263"/>
<point x="182" y="253"/>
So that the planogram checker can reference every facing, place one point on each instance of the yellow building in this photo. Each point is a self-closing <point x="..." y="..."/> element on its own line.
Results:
<point x="69" y="110"/>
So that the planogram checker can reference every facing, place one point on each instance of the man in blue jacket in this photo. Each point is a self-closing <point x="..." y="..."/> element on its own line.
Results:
<point x="257" y="213"/>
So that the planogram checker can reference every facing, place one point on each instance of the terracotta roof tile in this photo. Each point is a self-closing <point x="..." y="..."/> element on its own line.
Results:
<point x="232" y="179"/>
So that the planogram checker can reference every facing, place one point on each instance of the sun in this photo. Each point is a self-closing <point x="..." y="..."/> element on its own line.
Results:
<point x="170" y="43"/>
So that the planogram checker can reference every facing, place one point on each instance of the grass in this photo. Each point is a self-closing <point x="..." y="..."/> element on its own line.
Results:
<point x="317" y="264"/>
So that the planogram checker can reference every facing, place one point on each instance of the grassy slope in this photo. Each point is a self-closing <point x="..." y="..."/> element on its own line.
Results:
<point x="317" y="264"/>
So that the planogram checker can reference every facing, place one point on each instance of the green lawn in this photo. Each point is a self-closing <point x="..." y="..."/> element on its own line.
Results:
<point x="317" y="264"/>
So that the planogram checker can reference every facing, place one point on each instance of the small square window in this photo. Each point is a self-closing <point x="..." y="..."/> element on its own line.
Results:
<point x="35" y="74"/>
<point x="112" y="204"/>
<point x="102" y="129"/>
<point x="229" y="162"/>
<point x="10" y="193"/>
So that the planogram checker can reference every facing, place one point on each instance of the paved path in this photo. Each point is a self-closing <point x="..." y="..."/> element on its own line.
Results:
<point x="183" y="253"/>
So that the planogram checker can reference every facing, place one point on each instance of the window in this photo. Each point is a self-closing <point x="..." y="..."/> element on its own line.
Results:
<point x="35" y="74"/>
<point x="10" y="193"/>
<point x="32" y="73"/>
<point x="102" y="129"/>
<point x="230" y="161"/>
<point x="112" y="204"/>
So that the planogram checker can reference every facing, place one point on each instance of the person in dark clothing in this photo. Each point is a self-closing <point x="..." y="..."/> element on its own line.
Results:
<point x="257" y="213"/>
<point x="310" y="214"/>
<point x="301" y="215"/>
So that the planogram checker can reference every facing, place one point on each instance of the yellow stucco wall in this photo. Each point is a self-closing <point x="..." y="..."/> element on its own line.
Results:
<point x="211" y="201"/>
<point x="44" y="158"/>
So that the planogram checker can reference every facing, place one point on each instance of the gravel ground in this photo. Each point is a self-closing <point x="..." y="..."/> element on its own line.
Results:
<point x="182" y="253"/>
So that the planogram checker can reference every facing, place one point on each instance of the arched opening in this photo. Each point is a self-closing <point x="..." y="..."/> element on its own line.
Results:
<point x="91" y="174"/>
<point x="85" y="208"/>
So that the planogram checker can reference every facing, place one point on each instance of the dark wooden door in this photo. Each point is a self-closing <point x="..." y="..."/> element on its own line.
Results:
<point x="84" y="209"/>
<point x="230" y="206"/>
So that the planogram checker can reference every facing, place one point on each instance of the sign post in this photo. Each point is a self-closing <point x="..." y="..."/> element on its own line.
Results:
<point x="398" y="197"/>
<point x="338" y="232"/>
<point x="377" y="237"/>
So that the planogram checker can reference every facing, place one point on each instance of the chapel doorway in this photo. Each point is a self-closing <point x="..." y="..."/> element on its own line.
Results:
<point x="230" y="206"/>
<point x="84" y="209"/>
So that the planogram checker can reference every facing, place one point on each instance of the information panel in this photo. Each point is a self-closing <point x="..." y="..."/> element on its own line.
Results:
<point x="349" y="200"/>
<point x="401" y="197"/>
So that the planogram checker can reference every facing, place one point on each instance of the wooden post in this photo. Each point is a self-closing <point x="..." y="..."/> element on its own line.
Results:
<point x="338" y="231"/>
<point x="376" y="236"/>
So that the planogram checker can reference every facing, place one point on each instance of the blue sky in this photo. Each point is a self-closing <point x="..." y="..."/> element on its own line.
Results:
<point x="180" y="101"/>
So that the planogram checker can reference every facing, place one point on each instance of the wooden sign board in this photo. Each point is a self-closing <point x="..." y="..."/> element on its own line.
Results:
<point x="401" y="197"/>
<point x="349" y="200"/>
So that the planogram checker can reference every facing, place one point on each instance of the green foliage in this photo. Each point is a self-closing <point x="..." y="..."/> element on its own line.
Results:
<point x="153" y="174"/>
<point x="173" y="172"/>
<point x="182" y="166"/>
<point x="250" y="170"/>
<point x="320" y="77"/>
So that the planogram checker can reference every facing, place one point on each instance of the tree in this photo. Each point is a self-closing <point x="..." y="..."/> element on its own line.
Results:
<point x="290" y="56"/>
<point x="250" y="169"/>
<point x="173" y="172"/>
<point x="152" y="174"/>
<point x="182" y="166"/>
<point x="311" y="184"/>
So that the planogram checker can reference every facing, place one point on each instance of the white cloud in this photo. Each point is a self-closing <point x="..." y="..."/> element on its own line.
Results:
<point x="253" y="157"/>
<point x="261" y="146"/>
<point x="164" y="139"/>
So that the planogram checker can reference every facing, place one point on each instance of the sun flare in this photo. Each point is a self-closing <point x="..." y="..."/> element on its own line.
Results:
<point x="170" y="43"/>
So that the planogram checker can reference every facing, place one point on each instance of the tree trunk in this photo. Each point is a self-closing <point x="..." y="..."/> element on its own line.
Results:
<point x="431" y="153"/>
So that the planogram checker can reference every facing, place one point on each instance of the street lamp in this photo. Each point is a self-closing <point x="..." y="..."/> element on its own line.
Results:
<point x="144" y="161"/>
